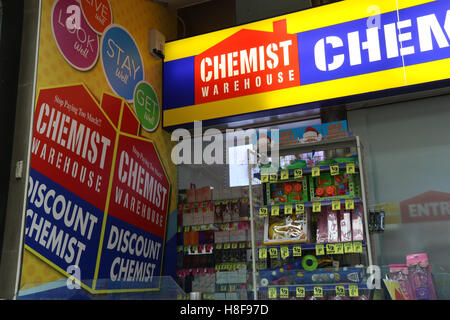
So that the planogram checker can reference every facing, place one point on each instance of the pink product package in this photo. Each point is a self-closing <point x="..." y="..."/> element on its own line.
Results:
<point x="399" y="272"/>
<point x="420" y="277"/>
<point x="333" y="226"/>
<point x="346" y="226"/>
<point x="357" y="223"/>
<point x="322" y="227"/>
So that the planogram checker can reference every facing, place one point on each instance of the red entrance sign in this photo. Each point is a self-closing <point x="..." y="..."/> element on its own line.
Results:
<point x="426" y="207"/>
<point x="248" y="62"/>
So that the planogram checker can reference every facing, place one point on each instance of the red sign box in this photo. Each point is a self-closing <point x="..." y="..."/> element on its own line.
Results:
<point x="426" y="207"/>
<point x="248" y="62"/>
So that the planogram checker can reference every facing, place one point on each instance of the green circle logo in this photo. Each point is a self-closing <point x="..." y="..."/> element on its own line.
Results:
<point x="146" y="106"/>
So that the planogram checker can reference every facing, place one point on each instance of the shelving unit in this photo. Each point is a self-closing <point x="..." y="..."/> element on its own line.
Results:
<point x="335" y="249"/>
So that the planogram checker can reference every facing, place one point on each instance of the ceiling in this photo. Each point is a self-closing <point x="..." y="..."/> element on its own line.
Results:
<point x="178" y="4"/>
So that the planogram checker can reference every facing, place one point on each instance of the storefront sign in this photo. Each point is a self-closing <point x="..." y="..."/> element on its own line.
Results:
<point x="98" y="14"/>
<point x="76" y="207"/>
<point x="426" y="207"/>
<point x="146" y="106"/>
<point x="122" y="61"/>
<point x="75" y="39"/>
<point x="320" y="54"/>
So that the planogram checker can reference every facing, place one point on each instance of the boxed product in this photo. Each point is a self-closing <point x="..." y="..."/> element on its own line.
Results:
<point x="357" y="222"/>
<point x="328" y="187"/>
<point x="420" y="277"/>
<point x="218" y="212"/>
<point x="216" y="194"/>
<point x="222" y="236"/>
<point x="286" y="229"/>
<point x="399" y="273"/>
<point x="235" y="208"/>
<point x="226" y="211"/>
<point x="332" y="226"/>
<point x="244" y="209"/>
<point x="293" y="191"/>
<point x="208" y="213"/>
<point x="197" y="216"/>
<point x="322" y="227"/>
<point x="346" y="226"/>
<point x="203" y="194"/>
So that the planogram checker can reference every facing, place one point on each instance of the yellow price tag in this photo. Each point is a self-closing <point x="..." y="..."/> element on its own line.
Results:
<point x="219" y="246"/>
<point x="234" y="245"/>
<point x="353" y="290"/>
<point x="273" y="177"/>
<point x="320" y="249"/>
<point x="284" y="174"/>
<point x="275" y="211"/>
<point x="349" y="204"/>
<point x="357" y="247"/>
<point x="334" y="169"/>
<point x="317" y="207"/>
<point x="272" y="293"/>
<point x="299" y="208"/>
<point x="263" y="212"/>
<point x="262" y="253"/>
<point x="186" y="229"/>
<point x="340" y="291"/>
<point x="315" y="171"/>
<point x="284" y="293"/>
<point x="273" y="252"/>
<point x="264" y="178"/>
<point x="348" y="247"/>
<point x="288" y="209"/>
<point x="284" y="251"/>
<point x="296" y="251"/>
<point x="226" y="246"/>
<point x="318" y="292"/>
<point x="336" y="205"/>
<point x="242" y="245"/>
<point x="350" y="168"/>
<point x="330" y="248"/>
<point x="300" y="292"/>
<point x="298" y="173"/>
<point x="339" y="248"/>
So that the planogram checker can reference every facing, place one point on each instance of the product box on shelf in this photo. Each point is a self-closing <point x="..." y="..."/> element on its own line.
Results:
<point x="287" y="228"/>
<point x="420" y="277"/>
<point x="358" y="222"/>
<point x="287" y="192"/>
<point x="328" y="187"/>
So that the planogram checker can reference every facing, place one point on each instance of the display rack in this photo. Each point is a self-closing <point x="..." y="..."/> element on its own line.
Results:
<point x="285" y="286"/>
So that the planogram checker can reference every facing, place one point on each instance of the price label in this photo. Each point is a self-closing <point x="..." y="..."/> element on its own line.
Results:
<point x="297" y="251"/>
<point x="349" y="204"/>
<point x="317" y="206"/>
<point x="334" y="169"/>
<point x="288" y="209"/>
<point x="284" y="251"/>
<point x="273" y="177"/>
<point x="300" y="292"/>
<point x="330" y="248"/>
<point x="273" y="252"/>
<point x="298" y="173"/>
<point x="339" y="248"/>
<point x="263" y="212"/>
<point x="187" y="249"/>
<point x="299" y="208"/>
<point x="226" y="246"/>
<point x="350" y="168"/>
<point x="284" y="174"/>
<point x="242" y="245"/>
<point x="320" y="249"/>
<point x="219" y="246"/>
<point x="186" y="229"/>
<point x="357" y="247"/>
<point x="315" y="171"/>
<point x="275" y="211"/>
<point x="340" y="291"/>
<point x="284" y="293"/>
<point x="318" y="292"/>
<point x="234" y="245"/>
<point x="232" y="287"/>
<point x="353" y="290"/>
<point x="272" y="293"/>
<point x="348" y="247"/>
<point x="262" y="253"/>
<point x="336" y="205"/>
<point x="264" y="178"/>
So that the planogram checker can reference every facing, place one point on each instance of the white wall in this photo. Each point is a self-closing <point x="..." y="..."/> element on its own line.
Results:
<point x="407" y="147"/>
